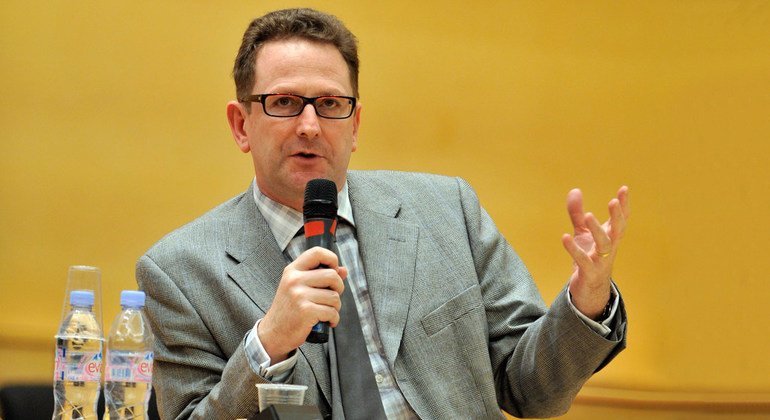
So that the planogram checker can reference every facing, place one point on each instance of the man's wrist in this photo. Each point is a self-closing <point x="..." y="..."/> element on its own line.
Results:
<point x="601" y="326"/>
<point x="269" y="344"/>
<point x="260" y="360"/>
<point x="608" y="307"/>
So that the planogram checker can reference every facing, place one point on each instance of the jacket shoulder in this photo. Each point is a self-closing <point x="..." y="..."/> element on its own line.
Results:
<point x="208" y="230"/>
<point x="406" y="184"/>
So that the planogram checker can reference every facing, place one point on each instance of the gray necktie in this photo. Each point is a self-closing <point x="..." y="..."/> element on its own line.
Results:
<point x="358" y="389"/>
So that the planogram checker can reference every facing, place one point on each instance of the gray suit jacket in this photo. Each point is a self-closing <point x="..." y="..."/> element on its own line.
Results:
<point x="464" y="328"/>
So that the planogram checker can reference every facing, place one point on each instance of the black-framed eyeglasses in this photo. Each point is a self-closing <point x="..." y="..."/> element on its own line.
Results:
<point x="285" y="105"/>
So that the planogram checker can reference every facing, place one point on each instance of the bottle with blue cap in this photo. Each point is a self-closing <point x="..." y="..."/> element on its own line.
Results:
<point x="77" y="373"/>
<point x="128" y="372"/>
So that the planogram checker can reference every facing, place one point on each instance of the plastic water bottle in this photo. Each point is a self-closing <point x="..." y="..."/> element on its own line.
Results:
<point x="78" y="360"/>
<point x="128" y="375"/>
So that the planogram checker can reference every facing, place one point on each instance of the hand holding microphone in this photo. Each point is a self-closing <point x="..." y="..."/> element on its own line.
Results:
<point x="320" y="216"/>
<point x="310" y="288"/>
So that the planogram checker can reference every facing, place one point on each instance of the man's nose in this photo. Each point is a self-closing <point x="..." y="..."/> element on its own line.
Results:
<point x="309" y="124"/>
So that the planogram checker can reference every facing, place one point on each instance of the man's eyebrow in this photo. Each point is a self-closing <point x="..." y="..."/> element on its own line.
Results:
<point x="332" y="92"/>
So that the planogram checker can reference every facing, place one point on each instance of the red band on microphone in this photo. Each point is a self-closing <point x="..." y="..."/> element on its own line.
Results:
<point x="314" y="228"/>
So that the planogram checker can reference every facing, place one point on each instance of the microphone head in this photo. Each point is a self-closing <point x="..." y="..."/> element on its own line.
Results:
<point x="320" y="199"/>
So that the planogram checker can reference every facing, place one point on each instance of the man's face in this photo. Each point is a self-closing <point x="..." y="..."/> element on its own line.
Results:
<point x="288" y="152"/>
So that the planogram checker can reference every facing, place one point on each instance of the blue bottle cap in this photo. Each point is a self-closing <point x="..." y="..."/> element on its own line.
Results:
<point x="132" y="298"/>
<point x="82" y="298"/>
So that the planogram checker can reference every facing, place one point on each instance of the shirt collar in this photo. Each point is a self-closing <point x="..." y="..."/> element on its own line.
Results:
<point x="284" y="221"/>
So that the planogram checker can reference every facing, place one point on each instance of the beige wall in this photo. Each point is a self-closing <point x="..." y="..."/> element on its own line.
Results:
<point x="113" y="132"/>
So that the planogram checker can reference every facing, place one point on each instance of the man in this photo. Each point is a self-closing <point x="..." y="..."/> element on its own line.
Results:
<point x="451" y="324"/>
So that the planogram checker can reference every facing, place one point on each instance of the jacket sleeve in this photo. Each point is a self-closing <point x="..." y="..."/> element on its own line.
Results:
<point x="193" y="376"/>
<point x="540" y="358"/>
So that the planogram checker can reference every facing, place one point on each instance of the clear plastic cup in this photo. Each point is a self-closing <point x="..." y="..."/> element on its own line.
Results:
<point x="83" y="277"/>
<point x="285" y="394"/>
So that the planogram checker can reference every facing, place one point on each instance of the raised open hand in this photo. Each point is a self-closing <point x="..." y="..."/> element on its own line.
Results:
<point x="593" y="248"/>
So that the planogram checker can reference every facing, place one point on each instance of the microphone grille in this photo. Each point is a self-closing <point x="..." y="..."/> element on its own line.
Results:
<point x="320" y="199"/>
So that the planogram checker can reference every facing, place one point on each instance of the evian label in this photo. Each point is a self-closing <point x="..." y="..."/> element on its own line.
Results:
<point x="129" y="367"/>
<point x="78" y="366"/>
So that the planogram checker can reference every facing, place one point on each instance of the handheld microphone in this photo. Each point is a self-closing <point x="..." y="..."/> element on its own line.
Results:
<point x="320" y="216"/>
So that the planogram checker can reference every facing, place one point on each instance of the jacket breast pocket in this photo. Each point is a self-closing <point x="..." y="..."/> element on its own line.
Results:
<point x="457" y="342"/>
<point x="455" y="308"/>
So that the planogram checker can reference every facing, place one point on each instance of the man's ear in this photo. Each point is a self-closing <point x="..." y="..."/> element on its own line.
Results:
<point x="236" y="117"/>
<point x="356" y="124"/>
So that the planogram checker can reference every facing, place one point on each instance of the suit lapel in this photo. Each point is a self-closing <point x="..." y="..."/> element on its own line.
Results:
<point x="388" y="247"/>
<point x="258" y="272"/>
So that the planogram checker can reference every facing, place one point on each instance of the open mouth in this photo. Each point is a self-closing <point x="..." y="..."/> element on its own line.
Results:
<point x="305" y="155"/>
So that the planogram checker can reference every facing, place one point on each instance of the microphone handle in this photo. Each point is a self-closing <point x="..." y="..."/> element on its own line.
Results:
<point x="320" y="331"/>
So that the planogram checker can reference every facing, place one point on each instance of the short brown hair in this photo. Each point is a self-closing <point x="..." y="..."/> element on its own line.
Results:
<point x="306" y="24"/>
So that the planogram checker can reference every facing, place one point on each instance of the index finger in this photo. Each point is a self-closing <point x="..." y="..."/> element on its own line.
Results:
<point x="625" y="203"/>
<point x="575" y="209"/>
<point x="315" y="257"/>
